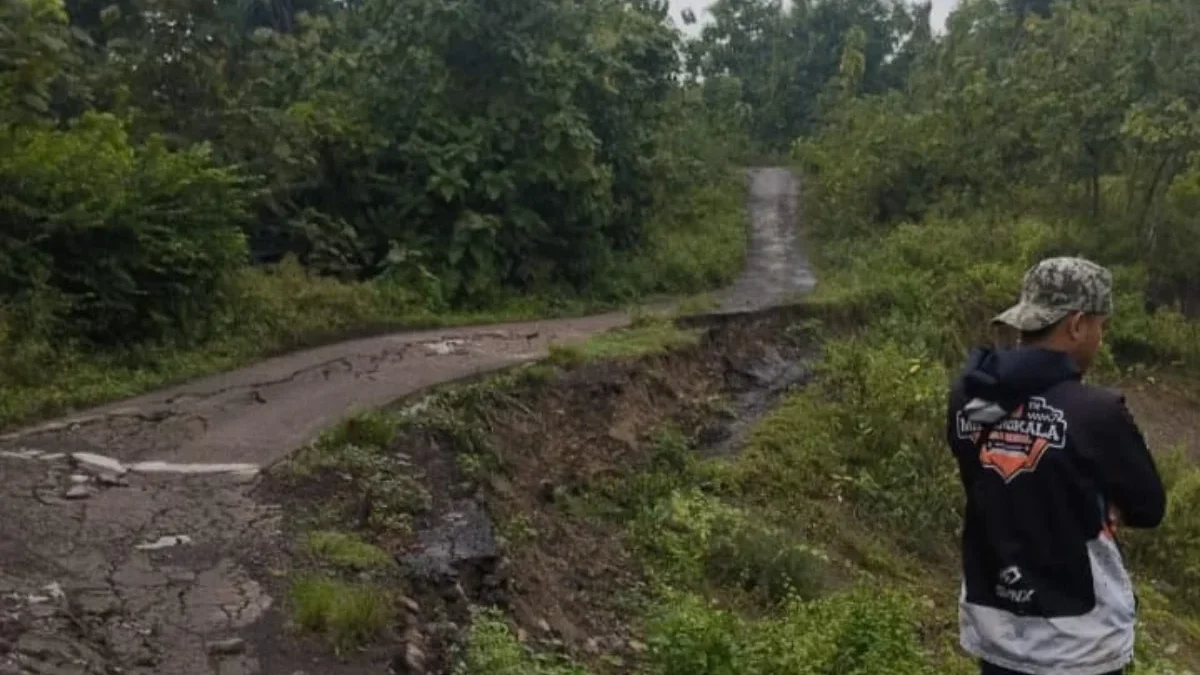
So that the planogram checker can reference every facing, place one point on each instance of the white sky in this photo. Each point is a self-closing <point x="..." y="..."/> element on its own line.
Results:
<point x="941" y="9"/>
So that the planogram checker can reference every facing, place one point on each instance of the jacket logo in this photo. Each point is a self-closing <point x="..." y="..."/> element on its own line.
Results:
<point x="1016" y="444"/>
<point x="1010" y="576"/>
<point x="1006" y="589"/>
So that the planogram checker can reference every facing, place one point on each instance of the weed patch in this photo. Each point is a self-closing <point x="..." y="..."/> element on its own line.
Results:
<point x="695" y="541"/>
<point x="861" y="632"/>
<point x="868" y="431"/>
<point x="492" y="649"/>
<point x="363" y="482"/>
<point x="347" y="551"/>
<point x="652" y="337"/>
<point x="348" y="615"/>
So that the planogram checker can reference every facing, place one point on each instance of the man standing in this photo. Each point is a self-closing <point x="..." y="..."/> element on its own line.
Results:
<point x="1050" y="465"/>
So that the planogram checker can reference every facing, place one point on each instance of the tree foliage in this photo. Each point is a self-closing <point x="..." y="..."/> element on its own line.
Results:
<point x="468" y="150"/>
<point x="787" y="56"/>
<point x="131" y="241"/>
<point x="1084" y="113"/>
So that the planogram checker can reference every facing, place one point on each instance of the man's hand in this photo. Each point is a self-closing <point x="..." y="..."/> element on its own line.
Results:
<point x="1113" y="520"/>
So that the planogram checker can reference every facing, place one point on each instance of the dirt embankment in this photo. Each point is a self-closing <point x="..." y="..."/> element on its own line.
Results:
<point x="519" y="534"/>
<point x="133" y="540"/>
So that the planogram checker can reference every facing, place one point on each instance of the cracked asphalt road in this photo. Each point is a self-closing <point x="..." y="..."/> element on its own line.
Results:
<point x="135" y="565"/>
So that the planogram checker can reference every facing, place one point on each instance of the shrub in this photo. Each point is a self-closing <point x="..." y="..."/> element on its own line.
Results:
<point x="285" y="305"/>
<point x="131" y="242"/>
<point x="861" y="632"/>
<point x="935" y="286"/>
<point x="694" y="242"/>
<point x="693" y="539"/>
<point x="1171" y="553"/>
<point x="690" y="636"/>
<point x="386" y="497"/>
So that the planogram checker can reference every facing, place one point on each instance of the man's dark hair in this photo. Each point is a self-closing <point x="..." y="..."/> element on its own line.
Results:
<point x="1033" y="337"/>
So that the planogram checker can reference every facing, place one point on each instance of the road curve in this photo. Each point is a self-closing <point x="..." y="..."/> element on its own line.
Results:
<point x="258" y="414"/>
<point x="131" y="539"/>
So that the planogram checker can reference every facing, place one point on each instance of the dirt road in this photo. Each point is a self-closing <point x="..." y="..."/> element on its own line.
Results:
<point x="128" y="531"/>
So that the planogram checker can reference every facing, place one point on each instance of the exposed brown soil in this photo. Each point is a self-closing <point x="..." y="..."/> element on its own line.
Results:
<point x="567" y="577"/>
<point x="1167" y="411"/>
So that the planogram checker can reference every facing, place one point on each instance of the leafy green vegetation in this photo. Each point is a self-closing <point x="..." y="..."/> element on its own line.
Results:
<point x="863" y="632"/>
<point x="494" y="650"/>
<point x="1026" y="131"/>
<point x="692" y="537"/>
<point x="1171" y="551"/>
<point x="187" y="186"/>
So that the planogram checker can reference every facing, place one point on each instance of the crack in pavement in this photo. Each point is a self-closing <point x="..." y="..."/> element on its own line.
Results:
<point x="95" y="498"/>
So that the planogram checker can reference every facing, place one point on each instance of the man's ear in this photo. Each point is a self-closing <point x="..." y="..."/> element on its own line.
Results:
<point x="1074" y="325"/>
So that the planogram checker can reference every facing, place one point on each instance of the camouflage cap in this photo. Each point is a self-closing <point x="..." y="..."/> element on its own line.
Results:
<point x="1056" y="287"/>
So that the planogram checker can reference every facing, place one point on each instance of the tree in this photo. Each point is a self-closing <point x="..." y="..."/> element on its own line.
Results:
<point x="785" y="57"/>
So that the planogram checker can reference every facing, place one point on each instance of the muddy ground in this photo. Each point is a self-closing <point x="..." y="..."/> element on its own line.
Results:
<point x="134" y="537"/>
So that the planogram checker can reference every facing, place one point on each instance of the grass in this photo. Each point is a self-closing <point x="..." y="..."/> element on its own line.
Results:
<point x="347" y="550"/>
<point x="371" y="431"/>
<point x="865" y="631"/>
<point x="697" y="304"/>
<point x="645" y="338"/>
<point x="349" y="615"/>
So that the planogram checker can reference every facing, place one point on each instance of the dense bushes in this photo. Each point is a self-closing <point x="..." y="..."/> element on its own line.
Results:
<point x="1073" y="117"/>
<point x="460" y="153"/>
<point x="114" y="242"/>
<point x="258" y="180"/>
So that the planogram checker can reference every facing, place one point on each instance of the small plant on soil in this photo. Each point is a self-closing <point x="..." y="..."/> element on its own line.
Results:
<point x="385" y="497"/>
<point x="518" y="530"/>
<point x="492" y="649"/>
<point x="349" y="615"/>
<point x="672" y="466"/>
<point x="347" y="550"/>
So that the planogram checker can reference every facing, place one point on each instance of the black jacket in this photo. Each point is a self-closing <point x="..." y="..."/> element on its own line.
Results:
<point x="1043" y="459"/>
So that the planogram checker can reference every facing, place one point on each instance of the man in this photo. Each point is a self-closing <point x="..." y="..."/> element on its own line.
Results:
<point x="1049" y="465"/>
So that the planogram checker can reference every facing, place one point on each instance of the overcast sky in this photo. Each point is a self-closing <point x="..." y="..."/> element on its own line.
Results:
<point x="941" y="9"/>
